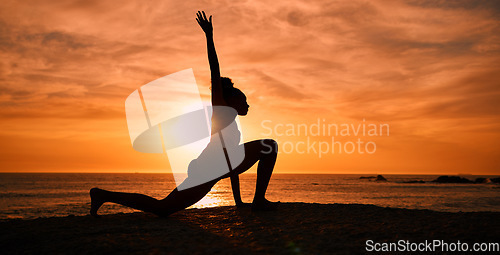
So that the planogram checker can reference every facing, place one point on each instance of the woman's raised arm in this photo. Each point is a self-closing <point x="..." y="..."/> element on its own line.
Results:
<point x="206" y="25"/>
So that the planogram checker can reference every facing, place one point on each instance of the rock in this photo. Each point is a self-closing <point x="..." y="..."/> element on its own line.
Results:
<point x="452" y="179"/>
<point x="367" y="177"/>
<point x="482" y="180"/>
<point x="380" y="178"/>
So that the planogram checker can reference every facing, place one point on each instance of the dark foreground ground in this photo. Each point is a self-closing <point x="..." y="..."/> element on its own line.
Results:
<point x="296" y="228"/>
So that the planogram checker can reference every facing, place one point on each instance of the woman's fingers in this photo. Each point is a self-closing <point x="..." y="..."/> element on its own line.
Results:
<point x="202" y="18"/>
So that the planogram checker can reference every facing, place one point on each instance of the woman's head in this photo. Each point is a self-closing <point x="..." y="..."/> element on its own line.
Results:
<point x="234" y="97"/>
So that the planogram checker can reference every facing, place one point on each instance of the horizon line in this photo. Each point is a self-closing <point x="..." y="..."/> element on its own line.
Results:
<point x="318" y="173"/>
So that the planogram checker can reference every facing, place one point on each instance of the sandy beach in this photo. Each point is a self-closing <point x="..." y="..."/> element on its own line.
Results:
<point x="296" y="228"/>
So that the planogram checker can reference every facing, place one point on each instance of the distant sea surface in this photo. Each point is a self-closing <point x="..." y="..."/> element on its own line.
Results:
<point x="33" y="195"/>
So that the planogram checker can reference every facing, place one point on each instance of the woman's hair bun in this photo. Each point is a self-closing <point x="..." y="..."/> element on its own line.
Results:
<point x="226" y="83"/>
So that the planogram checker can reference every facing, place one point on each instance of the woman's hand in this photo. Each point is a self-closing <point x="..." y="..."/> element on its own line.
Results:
<point x="205" y="24"/>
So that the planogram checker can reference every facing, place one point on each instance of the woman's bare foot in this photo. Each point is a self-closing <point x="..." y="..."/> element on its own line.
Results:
<point x="243" y="205"/>
<point x="264" y="205"/>
<point x="95" y="201"/>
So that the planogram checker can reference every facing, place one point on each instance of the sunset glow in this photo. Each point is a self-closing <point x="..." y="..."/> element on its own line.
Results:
<point x="427" y="71"/>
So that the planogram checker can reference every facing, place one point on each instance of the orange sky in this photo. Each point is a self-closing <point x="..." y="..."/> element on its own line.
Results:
<point x="428" y="70"/>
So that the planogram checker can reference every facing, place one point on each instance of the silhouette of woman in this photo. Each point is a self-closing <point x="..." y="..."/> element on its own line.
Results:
<point x="264" y="151"/>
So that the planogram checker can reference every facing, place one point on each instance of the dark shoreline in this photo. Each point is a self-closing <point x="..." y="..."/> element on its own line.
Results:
<point x="296" y="228"/>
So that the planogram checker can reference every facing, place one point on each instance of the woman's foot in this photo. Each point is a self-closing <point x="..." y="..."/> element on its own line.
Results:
<point x="243" y="205"/>
<point x="95" y="201"/>
<point x="264" y="205"/>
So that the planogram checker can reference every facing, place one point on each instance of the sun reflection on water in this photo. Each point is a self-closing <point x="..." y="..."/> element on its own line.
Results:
<point x="213" y="199"/>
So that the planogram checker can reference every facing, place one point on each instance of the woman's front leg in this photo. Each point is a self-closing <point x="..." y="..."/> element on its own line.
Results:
<point x="268" y="155"/>
<point x="265" y="152"/>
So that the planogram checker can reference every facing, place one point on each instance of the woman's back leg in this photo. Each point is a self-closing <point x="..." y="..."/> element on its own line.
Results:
<point x="175" y="201"/>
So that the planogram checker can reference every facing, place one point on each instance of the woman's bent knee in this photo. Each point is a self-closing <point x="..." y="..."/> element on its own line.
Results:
<point x="270" y="146"/>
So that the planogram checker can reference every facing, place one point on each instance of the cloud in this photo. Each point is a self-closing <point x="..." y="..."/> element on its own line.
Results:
<point x="492" y="7"/>
<point x="276" y="88"/>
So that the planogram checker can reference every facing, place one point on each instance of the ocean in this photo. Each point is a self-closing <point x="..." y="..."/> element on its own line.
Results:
<point x="33" y="195"/>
